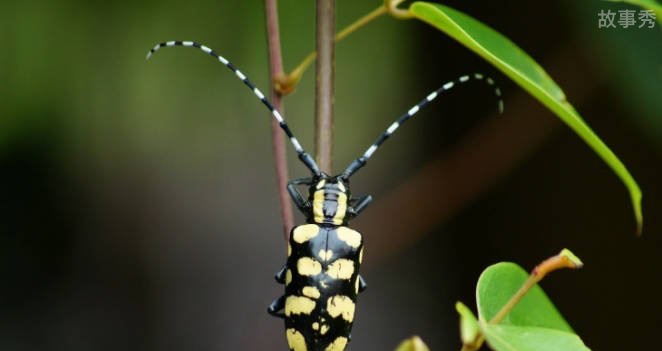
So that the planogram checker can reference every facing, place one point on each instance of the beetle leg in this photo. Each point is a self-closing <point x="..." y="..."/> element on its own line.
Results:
<point x="276" y="306"/>
<point x="362" y="284"/>
<point x="301" y="181"/>
<point x="280" y="275"/>
<point x="359" y="204"/>
<point x="302" y="204"/>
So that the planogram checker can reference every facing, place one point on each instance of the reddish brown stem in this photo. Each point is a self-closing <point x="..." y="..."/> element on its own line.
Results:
<point x="565" y="259"/>
<point x="277" y="141"/>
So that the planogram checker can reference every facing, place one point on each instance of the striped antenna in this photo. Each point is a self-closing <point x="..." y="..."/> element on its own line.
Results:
<point x="361" y="161"/>
<point x="303" y="155"/>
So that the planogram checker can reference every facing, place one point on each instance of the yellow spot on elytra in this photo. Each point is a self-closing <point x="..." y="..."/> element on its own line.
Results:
<point x="324" y="329"/>
<point x="289" y="250"/>
<point x="298" y="305"/>
<point x="308" y="266"/>
<point x="341" y="268"/>
<point x="361" y="256"/>
<point x="320" y="184"/>
<point x="349" y="236"/>
<point x="356" y="285"/>
<point x="288" y="277"/>
<point x="304" y="233"/>
<point x="338" y="345"/>
<point x="341" y="305"/>
<point x="295" y="340"/>
<point x="341" y="209"/>
<point x="325" y="255"/>
<point x="311" y="292"/>
<point x="316" y="326"/>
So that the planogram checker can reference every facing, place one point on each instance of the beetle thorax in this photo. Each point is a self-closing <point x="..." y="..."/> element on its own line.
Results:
<point x="329" y="201"/>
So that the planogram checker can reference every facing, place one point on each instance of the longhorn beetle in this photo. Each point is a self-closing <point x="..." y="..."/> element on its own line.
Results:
<point x="324" y="255"/>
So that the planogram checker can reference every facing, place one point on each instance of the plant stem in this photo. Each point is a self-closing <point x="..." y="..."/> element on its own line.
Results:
<point x="298" y="70"/>
<point x="515" y="299"/>
<point x="565" y="259"/>
<point x="277" y="141"/>
<point x="289" y="81"/>
<point x="325" y="33"/>
<point x="361" y="22"/>
<point x="392" y="6"/>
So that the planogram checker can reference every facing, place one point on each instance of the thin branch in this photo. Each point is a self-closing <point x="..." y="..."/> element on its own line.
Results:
<point x="374" y="14"/>
<point x="565" y="259"/>
<point x="325" y="35"/>
<point x="277" y="141"/>
<point x="289" y="81"/>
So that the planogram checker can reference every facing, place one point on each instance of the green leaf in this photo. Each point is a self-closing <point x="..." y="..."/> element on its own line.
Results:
<point x="469" y="328"/>
<point x="647" y="4"/>
<point x="513" y="338"/>
<point x="412" y="344"/>
<point x="534" y="324"/>
<point x="521" y="68"/>
<point x="499" y="282"/>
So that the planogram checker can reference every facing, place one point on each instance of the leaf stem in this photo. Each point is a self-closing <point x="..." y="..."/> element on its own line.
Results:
<point x="392" y="6"/>
<point x="325" y="43"/>
<point x="528" y="284"/>
<point x="565" y="259"/>
<point x="277" y="141"/>
<point x="374" y="14"/>
<point x="287" y="83"/>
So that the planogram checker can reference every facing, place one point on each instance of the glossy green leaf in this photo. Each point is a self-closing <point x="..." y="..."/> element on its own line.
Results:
<point x="521" y="68"/>
<point x="647" y="4"/>
<point x="534" y="324"/>
<point x="499" y="282"/>
<point x="514" y="338"/>
<point x="412" y="344"/>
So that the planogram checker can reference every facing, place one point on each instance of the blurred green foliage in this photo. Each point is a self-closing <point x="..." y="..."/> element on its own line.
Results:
<point x="77" y="69"/>
<point x="630" y="63"/>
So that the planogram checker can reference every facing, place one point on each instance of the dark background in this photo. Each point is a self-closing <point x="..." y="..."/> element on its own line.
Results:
<point x="138" y="206"/>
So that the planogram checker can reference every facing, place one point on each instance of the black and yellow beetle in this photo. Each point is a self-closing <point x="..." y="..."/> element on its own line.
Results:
<point x="321" y="275"/>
